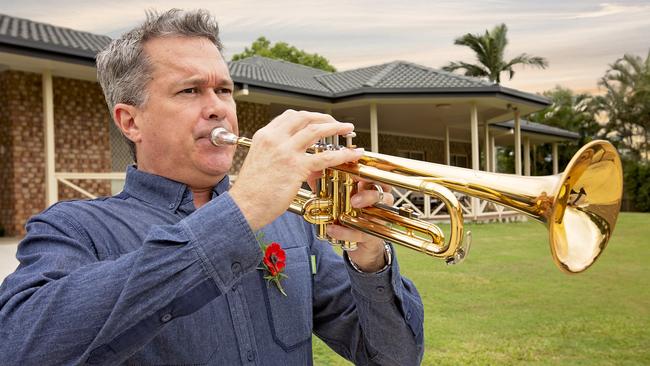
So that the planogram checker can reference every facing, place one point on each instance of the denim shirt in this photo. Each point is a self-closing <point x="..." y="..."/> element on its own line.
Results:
<point x="143" y="278"/>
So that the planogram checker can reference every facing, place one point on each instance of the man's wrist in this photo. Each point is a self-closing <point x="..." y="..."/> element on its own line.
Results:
<point x="388" y="260"/>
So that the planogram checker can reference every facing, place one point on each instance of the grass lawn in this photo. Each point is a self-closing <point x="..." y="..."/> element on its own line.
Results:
<point x="509" y="304"/>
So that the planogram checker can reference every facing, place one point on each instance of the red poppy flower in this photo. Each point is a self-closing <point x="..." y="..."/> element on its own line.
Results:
<point x="274" y="258"/>
<point x="273" y="263"/>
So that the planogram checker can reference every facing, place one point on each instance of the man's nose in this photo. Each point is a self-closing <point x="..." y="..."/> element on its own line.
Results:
<point x="214" y="106"/>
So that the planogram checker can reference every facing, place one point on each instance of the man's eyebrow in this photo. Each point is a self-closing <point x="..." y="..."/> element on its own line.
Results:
<point x="200" y="80"/>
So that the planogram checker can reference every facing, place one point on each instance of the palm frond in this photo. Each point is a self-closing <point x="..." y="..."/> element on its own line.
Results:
<point x="470" y="69"/>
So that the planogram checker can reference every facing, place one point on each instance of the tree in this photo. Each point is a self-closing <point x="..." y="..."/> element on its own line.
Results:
<point x="284" y="51"/>
<point x="627" y="104"/>
<point x="489" y="49"/>
<point x="569" y="111"/>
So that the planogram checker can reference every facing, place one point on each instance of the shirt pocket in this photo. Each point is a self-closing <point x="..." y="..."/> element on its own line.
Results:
<point x="290" y="317"/>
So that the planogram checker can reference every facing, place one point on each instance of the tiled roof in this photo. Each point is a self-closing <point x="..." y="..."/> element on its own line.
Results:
<point x="539" y="128"/>
<point x="396" y="76"/>
<point x="277" y="72"/>
<point x="399" y="77"/>
<point x="40" y="36"/>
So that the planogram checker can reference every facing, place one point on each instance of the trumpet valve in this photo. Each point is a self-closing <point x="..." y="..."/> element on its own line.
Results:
<point x="348" y="140"/>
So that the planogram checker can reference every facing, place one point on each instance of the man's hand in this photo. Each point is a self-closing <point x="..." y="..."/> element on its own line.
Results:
<point x="276" y="164"/>
<point x="370" y="253"/>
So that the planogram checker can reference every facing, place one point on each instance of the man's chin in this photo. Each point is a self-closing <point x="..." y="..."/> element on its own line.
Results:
<point x="217" y="170"/>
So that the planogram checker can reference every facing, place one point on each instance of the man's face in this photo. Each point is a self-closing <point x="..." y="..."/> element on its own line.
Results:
<point x="189" y="94"/>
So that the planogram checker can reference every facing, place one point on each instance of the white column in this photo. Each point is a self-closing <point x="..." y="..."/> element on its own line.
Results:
<point x="51" y="190"/>
<point x="555" y="164"/>
<point x="474" y="134"/>
<point x="526" y="156"/>
<point x="475" y="155"/>
<point x="447" y="149"/>
<point x="517" y="143"/>
<point x="374" y="134"/>
<point x="533" y="161"/>
<point x="493" y="155"/>
<point x="486" y="147"/>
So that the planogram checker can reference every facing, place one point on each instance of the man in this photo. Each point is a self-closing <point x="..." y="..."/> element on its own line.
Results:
<point x="166" y="272"/>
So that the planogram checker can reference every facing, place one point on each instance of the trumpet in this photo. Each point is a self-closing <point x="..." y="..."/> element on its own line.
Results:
<point x="579" y="206"/>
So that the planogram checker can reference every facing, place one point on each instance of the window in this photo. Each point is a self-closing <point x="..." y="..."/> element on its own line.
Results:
<point x="459" y="160"/>
<point x="411" y="154"/>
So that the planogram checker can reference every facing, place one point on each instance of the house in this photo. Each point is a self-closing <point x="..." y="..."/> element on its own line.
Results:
<point x="57" y="140"/>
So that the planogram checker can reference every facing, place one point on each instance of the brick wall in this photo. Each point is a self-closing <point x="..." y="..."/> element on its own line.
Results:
<point x="254" y="116"/>
<point x="81" y="140"/>
<point x="434" y="150"/>
<point x="6" y="158"/>
<point x="251" y="117"/>
<point x="81" y="132"/>
<point x="23" y="134"/>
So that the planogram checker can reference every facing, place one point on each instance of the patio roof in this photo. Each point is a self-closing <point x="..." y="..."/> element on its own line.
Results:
<point x="534" y="127"/>
<point x="397" y="77"/>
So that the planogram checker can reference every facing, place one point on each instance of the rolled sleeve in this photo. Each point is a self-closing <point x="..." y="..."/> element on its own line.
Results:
<point x="225" y="254"/>
<point x="372" y="286"/>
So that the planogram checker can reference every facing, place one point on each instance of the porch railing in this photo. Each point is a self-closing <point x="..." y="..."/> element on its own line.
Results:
<point x="116" y="178"/>
<point x="430" y="208"/>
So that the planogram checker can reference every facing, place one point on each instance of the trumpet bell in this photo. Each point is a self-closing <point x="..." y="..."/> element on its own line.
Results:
<point x="586" y="206"/>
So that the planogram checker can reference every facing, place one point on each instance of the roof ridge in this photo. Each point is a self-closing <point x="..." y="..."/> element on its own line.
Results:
<point x="381" y="74"/>
<point x="463" y="77"/>
<point x="52" y="25"/>
<point x="324" y="72"/>
<point x="364" y="67"/>
<point x="448" y="73"/>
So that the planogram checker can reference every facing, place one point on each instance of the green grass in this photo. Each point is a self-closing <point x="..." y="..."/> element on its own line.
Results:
<point x="508" y="304"/>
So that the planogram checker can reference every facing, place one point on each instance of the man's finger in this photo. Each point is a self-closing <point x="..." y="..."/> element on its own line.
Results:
<point x="293" y="121"/>
<point x="328" y="159"/>
<point x="343" y="233"/>
<point x="311" y="133"/>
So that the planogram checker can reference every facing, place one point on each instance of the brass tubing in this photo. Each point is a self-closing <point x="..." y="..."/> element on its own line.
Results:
<point x="579" y="206"/>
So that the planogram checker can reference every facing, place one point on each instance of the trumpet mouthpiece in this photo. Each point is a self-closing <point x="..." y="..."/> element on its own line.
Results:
<point x="222" y="137"/>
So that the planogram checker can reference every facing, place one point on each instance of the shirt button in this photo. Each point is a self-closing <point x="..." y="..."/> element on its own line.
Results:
<point x="165" y="318"/>
<point x="380" y="289"/>
<point x="408" y="315"/>
<point x="250" y="355"/>
<point x="236" y="268"/>
<point x="234" y="287"/>
<point x="171" y="205"/>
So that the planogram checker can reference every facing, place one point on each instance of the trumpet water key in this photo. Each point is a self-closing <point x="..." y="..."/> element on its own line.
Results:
<point x="579" y="207"/>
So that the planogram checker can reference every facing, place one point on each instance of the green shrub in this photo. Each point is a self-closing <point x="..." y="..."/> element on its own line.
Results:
<point x="637" y="184"/>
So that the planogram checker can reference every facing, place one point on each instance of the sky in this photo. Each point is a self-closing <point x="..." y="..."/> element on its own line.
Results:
<point x="580" y="39"/>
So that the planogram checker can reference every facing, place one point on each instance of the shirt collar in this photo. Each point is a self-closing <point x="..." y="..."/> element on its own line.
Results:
<point x="160" y="191"/>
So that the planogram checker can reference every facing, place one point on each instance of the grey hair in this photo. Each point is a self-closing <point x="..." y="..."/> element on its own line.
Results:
<point x="124" y="69"/>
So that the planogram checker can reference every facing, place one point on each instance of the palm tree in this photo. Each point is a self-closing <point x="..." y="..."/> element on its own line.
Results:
<point x="627" y="102"/>
<point x="489" y="49"/>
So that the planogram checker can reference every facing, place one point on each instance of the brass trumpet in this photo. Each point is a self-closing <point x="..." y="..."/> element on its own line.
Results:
<point x="579" y="206"/>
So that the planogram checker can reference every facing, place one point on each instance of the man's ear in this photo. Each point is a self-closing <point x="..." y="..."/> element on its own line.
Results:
<point x="124" y="117"/>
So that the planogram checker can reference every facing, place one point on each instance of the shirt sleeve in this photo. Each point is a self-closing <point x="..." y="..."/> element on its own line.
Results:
<point x="63" y="305"/>
<point x="354" y="312"/>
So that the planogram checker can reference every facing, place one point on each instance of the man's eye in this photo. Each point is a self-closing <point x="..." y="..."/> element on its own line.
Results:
<point x="189" y="91"/>
<point x="224" y="91"/>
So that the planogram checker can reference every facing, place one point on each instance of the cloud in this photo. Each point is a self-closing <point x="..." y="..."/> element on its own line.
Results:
<point x="607" y="9"/>
<point x="578" y="39"/>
